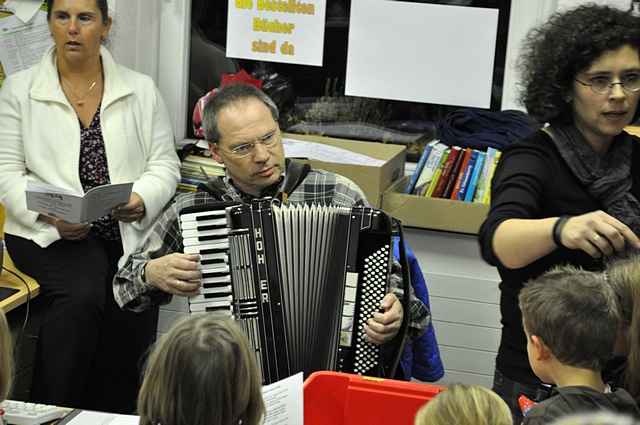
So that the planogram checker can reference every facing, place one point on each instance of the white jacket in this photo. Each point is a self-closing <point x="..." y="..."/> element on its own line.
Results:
<point x="40" y="141"/>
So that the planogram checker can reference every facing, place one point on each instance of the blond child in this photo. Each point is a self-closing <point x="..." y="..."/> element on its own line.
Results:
<point x="465" y="405"/>
<point x="201" y="373"/>
<point x="623" y="370"/>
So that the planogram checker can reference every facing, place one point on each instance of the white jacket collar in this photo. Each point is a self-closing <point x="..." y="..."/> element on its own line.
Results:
<point x="46" y="86"/>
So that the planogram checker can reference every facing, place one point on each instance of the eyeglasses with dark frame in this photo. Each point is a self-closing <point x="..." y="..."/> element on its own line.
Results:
<point x="269" y="140"/>
<point x="600" y="84"/>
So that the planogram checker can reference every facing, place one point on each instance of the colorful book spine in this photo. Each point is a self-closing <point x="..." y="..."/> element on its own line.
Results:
<point x="484" y="174"/>
<point x="466" y="175"/>
<point x="429" y="168"/>
<point x="460" y="174"/>
<point x="438" y="173"/>
<point x="487" y="191"/>
<point x="446" y="171"/>
<point x="473" y="182"/>
<point x="453" y="175"/>
<point x="421" y="162"/>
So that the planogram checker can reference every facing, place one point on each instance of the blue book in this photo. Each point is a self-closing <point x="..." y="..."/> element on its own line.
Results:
<point x="466" y="176"/>
<point x="419" y="166"/>
<point x="473" y="182"/>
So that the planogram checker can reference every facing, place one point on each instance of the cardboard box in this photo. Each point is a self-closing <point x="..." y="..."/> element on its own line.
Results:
<point x="373" y="180"/>
<point x="433" y="213"/>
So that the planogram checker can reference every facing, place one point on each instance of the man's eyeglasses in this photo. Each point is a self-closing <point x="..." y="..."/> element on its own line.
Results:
<point x="630" y="83"/>
<point x="268" y="140"/>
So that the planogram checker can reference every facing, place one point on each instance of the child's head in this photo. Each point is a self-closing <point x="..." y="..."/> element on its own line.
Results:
<point x="624" y="277"/>
<point x="569" y="314"/>
<point x="465" y="405"/>
<point x="6" y="357"/>
<point x="201" y="373"/>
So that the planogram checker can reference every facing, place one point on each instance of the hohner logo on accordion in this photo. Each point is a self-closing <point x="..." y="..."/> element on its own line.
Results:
<point x="300" y="280"/>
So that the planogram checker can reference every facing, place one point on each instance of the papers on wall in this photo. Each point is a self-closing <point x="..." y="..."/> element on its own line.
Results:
<point x="439" y="54"/>
<point x="326" y="153"/>
<point x="73" y="207"/>
<point x="22" y="45"/>
<point x="23" y="9"/>
<point x="290" y="31"/>
<point x="284" y="401"/>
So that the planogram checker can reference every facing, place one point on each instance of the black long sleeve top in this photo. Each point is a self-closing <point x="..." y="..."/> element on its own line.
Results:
<point x="532" y="181"/>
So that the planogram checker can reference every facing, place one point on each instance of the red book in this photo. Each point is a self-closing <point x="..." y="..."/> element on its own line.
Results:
<point x="446" y="171"/>
<point x="468" y="153"/>
<point x="453" y="176"/>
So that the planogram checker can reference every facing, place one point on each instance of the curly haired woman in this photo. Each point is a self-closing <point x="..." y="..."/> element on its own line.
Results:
<point x="568" y="194"/>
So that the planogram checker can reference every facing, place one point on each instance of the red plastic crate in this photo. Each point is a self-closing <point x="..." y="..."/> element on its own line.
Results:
<point x="333" y="398"/>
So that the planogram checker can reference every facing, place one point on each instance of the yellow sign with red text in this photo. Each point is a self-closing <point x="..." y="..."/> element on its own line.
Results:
<point x="289" y="31"/>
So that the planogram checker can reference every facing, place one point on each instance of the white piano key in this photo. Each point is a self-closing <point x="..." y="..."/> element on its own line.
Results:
<point x="197" y="248"/>
<point x="195" y="233"/>
<point x="217" y="290"/>
<point x="198" y="241"/>
<point x="218" y="279"/>
<point x="215" y="268"/>
<point x="215" y="256"/>
<point x="189" y="225"/>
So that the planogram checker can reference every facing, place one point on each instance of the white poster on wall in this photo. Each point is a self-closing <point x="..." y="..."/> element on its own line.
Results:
<point x="290" y="31"/>
<point x="439" y="54"/>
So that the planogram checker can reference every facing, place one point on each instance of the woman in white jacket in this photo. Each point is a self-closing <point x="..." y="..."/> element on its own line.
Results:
<point x="79" y="120"/>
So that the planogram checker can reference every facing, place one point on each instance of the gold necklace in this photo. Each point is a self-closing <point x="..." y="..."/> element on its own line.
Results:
<point x="79" y="101"/>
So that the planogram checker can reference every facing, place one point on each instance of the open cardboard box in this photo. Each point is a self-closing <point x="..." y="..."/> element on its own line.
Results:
<point x="432" y="213"/>
<point x="373" y="180"/>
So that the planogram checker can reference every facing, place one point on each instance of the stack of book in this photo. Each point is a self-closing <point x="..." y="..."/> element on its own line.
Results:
<point x="457" y="173"/>
<point x="195" y="169"/>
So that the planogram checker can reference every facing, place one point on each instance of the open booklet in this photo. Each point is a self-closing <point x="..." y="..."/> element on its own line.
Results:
<point x="73" y="207"/>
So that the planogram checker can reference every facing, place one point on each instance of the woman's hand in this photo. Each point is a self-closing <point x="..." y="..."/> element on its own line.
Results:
<point x="68" y="231"/>
<point x="597" y="233"/>
<point x="131" y="211"/>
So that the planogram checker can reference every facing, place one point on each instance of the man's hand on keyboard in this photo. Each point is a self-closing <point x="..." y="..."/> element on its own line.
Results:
<point x="176" y="273"/>
<point x="383" y="327"/>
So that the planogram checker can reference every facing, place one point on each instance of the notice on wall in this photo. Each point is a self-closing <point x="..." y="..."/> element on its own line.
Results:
<point x="22" y="45"/>
<point x="289" y="31"/>
<point x="440" y="54"/>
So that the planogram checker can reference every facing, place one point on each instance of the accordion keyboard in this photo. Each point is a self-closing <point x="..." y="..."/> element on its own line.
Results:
<point x="206" y="233"/>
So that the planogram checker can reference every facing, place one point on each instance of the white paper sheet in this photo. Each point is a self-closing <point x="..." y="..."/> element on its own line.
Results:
<point x="439" y="54"/>
<point x="99" y="418"/>
<point x="23" y="9"/>
<point x="22" y="45"/>
<point x="326" y="153"/>
<point x="284" y="401"/>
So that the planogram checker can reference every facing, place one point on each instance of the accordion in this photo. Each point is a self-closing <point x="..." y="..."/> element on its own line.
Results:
<point x="301" y="281"/>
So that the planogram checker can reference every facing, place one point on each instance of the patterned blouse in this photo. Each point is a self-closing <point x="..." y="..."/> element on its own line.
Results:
<point x="94" y="171"/>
